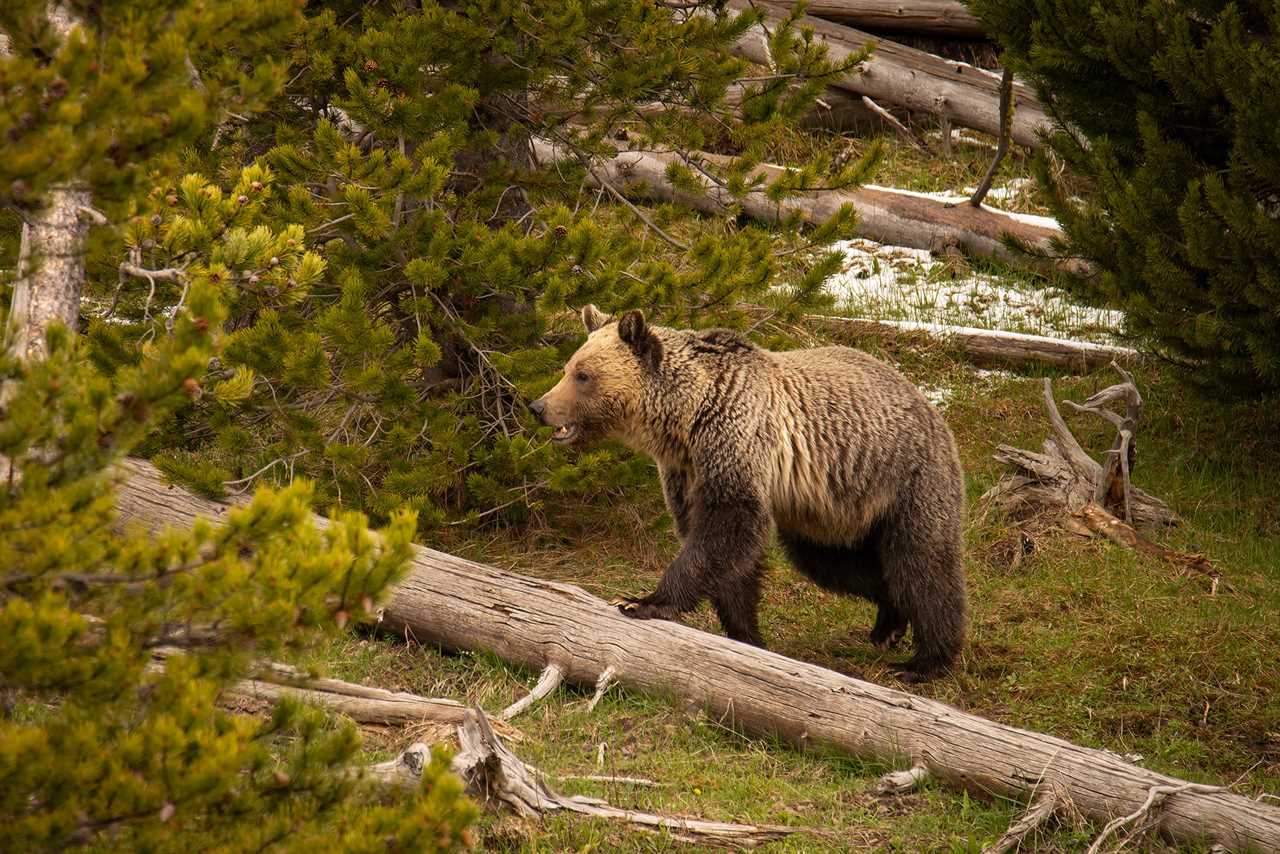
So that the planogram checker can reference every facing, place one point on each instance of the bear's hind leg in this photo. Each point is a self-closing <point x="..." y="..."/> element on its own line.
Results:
<point x="924" y="580"/>
<point x="737" y="604"/>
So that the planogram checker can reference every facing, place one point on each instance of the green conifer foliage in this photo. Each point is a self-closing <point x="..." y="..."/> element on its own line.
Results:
<point x="135" y="80"/>
<point x="421" y="268"/>
<point x="1168" y="110"/>
<point x="97" y="746"/>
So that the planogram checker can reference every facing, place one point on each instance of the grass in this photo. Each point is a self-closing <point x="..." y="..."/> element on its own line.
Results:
<point x="1079" y="639"/>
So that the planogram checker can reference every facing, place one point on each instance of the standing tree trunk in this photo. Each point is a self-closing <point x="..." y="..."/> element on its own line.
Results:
<point x="50" y="271"/>
<point x="463" y="605"/>
<point x="51" y="256"/>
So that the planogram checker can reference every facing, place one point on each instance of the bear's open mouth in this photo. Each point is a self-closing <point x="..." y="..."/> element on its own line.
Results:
<point x="565" y="433"/>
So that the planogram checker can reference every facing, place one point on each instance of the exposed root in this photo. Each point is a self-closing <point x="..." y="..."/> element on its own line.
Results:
<point x="901" y="782"/>
<point x="1041" y="810"/>
<point x="550" y="679"/>
<point x="1085" y="497"/>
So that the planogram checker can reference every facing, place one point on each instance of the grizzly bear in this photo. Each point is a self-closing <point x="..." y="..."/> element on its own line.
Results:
<point x="833" y="449"/>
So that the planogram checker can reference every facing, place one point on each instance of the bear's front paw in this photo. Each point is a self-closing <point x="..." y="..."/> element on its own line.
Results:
<point x="643" y="609"/>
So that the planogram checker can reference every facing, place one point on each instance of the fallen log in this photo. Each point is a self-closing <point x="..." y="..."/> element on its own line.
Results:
<point x="926" y="17"/>
<point x="273" y="681"/>
<point x="886" y="215"/>
<point x="534" y="623"/>
<point x="991" y="346"/>
<point x="964" y="94"/>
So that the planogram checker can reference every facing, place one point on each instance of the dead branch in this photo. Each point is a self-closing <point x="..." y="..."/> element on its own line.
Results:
<point x="1155" y="798"/>
<point x="1006" y="123"/>
<point x="552" y="676"/>
<point x="1042" y="809"/>
<point x="1098" y="520"/>
<point x="893" y="122"/>
<point x="603" y="684"/>
<point x="272" y="681"/>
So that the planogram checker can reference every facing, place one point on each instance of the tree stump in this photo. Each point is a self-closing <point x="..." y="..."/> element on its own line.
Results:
<point x="1063" y="482"/>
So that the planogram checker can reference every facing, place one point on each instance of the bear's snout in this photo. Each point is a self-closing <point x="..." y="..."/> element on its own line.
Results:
<point x="539" y="408"/>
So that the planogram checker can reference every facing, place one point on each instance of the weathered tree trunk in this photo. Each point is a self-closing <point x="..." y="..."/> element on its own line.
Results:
<point x="50" y="271"/>
<point x="463" y="605"/>
<point x="992" y="346"/>
<point x="51" y="253"/>
<point x="885" y="215"/>
<point x="895" y="74"/>
<point x="927" y="17"/>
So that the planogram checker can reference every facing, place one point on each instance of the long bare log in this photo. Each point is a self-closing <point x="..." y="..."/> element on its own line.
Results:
<point x="991" y="346"/>
<point x="273" y="681"/>
<point x="925" y="17"/>
<point x="886" y="215"/>
<point x="463" y="605"/>
<point x="966" y="95"/>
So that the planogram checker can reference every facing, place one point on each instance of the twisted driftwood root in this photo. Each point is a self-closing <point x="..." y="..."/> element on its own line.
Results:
<point x="1090" y="498"/>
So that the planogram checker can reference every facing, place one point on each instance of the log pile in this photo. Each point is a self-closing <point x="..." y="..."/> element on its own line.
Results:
<point x="902" y="77"/>
<point x="885" y="215"/>
<point x="461" y="605"/>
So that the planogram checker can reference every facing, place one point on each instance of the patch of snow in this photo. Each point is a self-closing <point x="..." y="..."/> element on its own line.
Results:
<point x="939" y="396"/>
<point x="911" y="286"/>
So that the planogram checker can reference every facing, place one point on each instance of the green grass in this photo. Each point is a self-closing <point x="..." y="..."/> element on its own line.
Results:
<point x="1080" y="639"/>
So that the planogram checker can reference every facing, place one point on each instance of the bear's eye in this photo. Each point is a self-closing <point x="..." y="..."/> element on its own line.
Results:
<point x="582" y="376"/>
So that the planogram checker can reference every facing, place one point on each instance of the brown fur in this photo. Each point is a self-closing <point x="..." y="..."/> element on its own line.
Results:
<point x="835" y="450"/>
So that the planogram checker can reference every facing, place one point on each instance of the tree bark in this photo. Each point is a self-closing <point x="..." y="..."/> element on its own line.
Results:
<point x="895" y="74"/>
<point x="947" y="18"/>
<point x="462" y="605"/>
<point x="50" y="271"/>
<point x="885" y="215"/>
<point x="50" y="275"/>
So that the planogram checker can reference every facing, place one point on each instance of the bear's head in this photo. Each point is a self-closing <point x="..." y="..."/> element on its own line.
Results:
<point x="603" y="383"/>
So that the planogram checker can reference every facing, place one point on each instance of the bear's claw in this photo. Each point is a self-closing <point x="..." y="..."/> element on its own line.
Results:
<point x="642" y="609"/>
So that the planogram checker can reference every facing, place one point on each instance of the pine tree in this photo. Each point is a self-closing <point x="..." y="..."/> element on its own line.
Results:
<point x="1167" y="114"/>
<point x="94" y="745"/>
<point x="398" y="374"/>
<point x="98" y="746"/>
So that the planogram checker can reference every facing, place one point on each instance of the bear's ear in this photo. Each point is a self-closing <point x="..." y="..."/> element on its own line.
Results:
<point x="593" y="318"/>
<point x="636" y="334"/>
<point x="631" y="328"/>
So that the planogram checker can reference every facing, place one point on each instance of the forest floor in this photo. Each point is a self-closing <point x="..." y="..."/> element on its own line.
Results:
<point x="1077" y="638"/>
